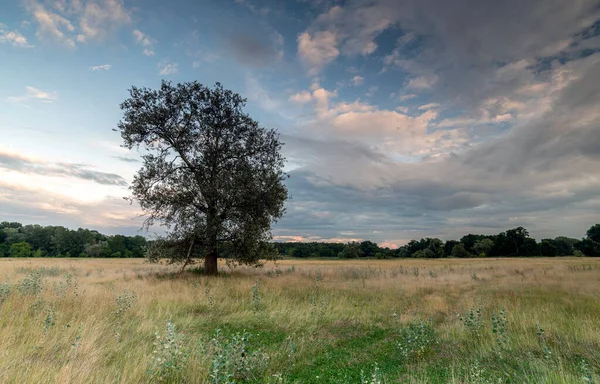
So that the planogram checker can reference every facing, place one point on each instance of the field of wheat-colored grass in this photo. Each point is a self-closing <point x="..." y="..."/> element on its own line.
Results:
<point x="301" y="321"/>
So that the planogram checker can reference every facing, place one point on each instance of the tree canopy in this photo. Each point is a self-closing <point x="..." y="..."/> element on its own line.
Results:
<point x="211" y="174"/>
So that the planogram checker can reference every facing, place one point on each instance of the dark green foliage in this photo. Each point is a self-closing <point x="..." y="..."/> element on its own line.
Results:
<point x="564" y="245"/>
<point x="352" y="251"/>
<point x="590" y="246"/>
<point x="483" y="247"/>
<point x="547" y="248"/>
<point x="470" y="240"/>
<point x="368" y="248"/>
<point x="594" y="233"/>
<point x="459" y="250"/>
<point x="302" y="250"/>
<point x="448" y="246"/>
<point x="210" y="173"/>
<point x="54" y="241"/>
<point x="44" y="241"/>
<point x="21" y="249"/>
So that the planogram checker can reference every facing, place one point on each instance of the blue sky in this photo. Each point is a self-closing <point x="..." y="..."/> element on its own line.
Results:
<point x="401" y="119"/>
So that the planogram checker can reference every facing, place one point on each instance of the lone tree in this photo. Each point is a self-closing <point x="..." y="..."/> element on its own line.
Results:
<point x="211" y="175"/>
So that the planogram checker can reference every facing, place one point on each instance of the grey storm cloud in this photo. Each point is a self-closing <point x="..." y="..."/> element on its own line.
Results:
<point x="126" y="159"/>
<point x="542" y="166"/>
<point x="81" y="171"/>
<point x="254" y="50"/>
<point x="535" y="63"/>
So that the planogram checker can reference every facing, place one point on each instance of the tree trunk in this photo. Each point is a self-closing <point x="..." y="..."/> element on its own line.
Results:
<point x="189" y="257"/>
<point x="210" y="262"/>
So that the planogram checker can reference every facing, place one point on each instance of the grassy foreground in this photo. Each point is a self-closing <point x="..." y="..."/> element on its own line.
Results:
<point x="400" y="321"/>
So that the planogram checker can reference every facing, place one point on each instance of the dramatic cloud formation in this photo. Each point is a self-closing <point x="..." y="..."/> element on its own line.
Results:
<point x="401" y="119"/>
<point x="24" y="165"/>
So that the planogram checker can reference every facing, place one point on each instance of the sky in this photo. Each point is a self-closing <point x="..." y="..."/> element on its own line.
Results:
<point x="401" y="119"/>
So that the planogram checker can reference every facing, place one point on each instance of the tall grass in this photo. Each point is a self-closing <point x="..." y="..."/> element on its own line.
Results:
<point x="377" y="321"/>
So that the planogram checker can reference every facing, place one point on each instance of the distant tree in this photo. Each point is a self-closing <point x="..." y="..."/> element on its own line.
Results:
<point x="436" y="248"/>
<point x="460" y="251"/>
<point x="594" y="233"/>
<point x="483" y="247"/>
<point x="547" y="248"/>
<point x="13" y="225"/>
<point x="413" y="246"/>
<point x="517" y="237"/>
<point x="4" y="250"/>
<point x="448" y="247"/>
<point x="530" y="247"/>
<point x="588" y="247"/>
<point x="564" y="245"/>
<point x="22" y="249"/>
<point x="13" y="235"/>
<point x="369" y="248"/>
<point x="210" y="173"/>
<point x="352" y="251"/>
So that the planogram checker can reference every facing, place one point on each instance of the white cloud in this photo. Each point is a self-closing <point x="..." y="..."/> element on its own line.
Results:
<point x="429" y="106"/>
<point x="77" y="22"/>
<point x="167" y="68"/>
<point x="34" y="93"/>
<point x="422" y="82"/>
<point x="104" y="67"/>
<point x="301" y="97"/>
<point x="407" y="97"/>
<point x="358" y="80"/>
<point x="317" y="50"/>
<point x="14" y="38"/>
<point x="141" y="38"/>
<point x="145" y="41"/>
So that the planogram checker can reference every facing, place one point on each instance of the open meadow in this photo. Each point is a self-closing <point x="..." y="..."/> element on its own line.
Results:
<point x="301" y="321"/>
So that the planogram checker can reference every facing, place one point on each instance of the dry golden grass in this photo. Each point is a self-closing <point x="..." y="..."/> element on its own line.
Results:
<point x="342" y="316"/>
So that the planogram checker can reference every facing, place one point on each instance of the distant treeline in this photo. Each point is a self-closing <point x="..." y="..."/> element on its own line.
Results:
<point x="17" y="240"/>
<point x="514" y="242"/>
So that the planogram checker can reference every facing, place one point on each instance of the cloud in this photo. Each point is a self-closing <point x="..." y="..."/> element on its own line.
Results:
<point x="317" y="49"/>
<point x="426" y="107"/>
<point x="349" y="30"/>
<point x="110" y="215"/>
<point x="431" y="181"/>
<point x="256" y="48"/>
<point x="358" y="80"/>
<point x="167" y="68"/>
<point x="301" y="98"/>
<point x="104" y="67"/>
<point x="422" y="82"/>
<point x="24" y="165"/>
<point x="34" y="93"/>
<point x="14" y="38"/>
<point x="145" y="41"/>
<point x="72" y="22"/>
<point x="126" y="159"/>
